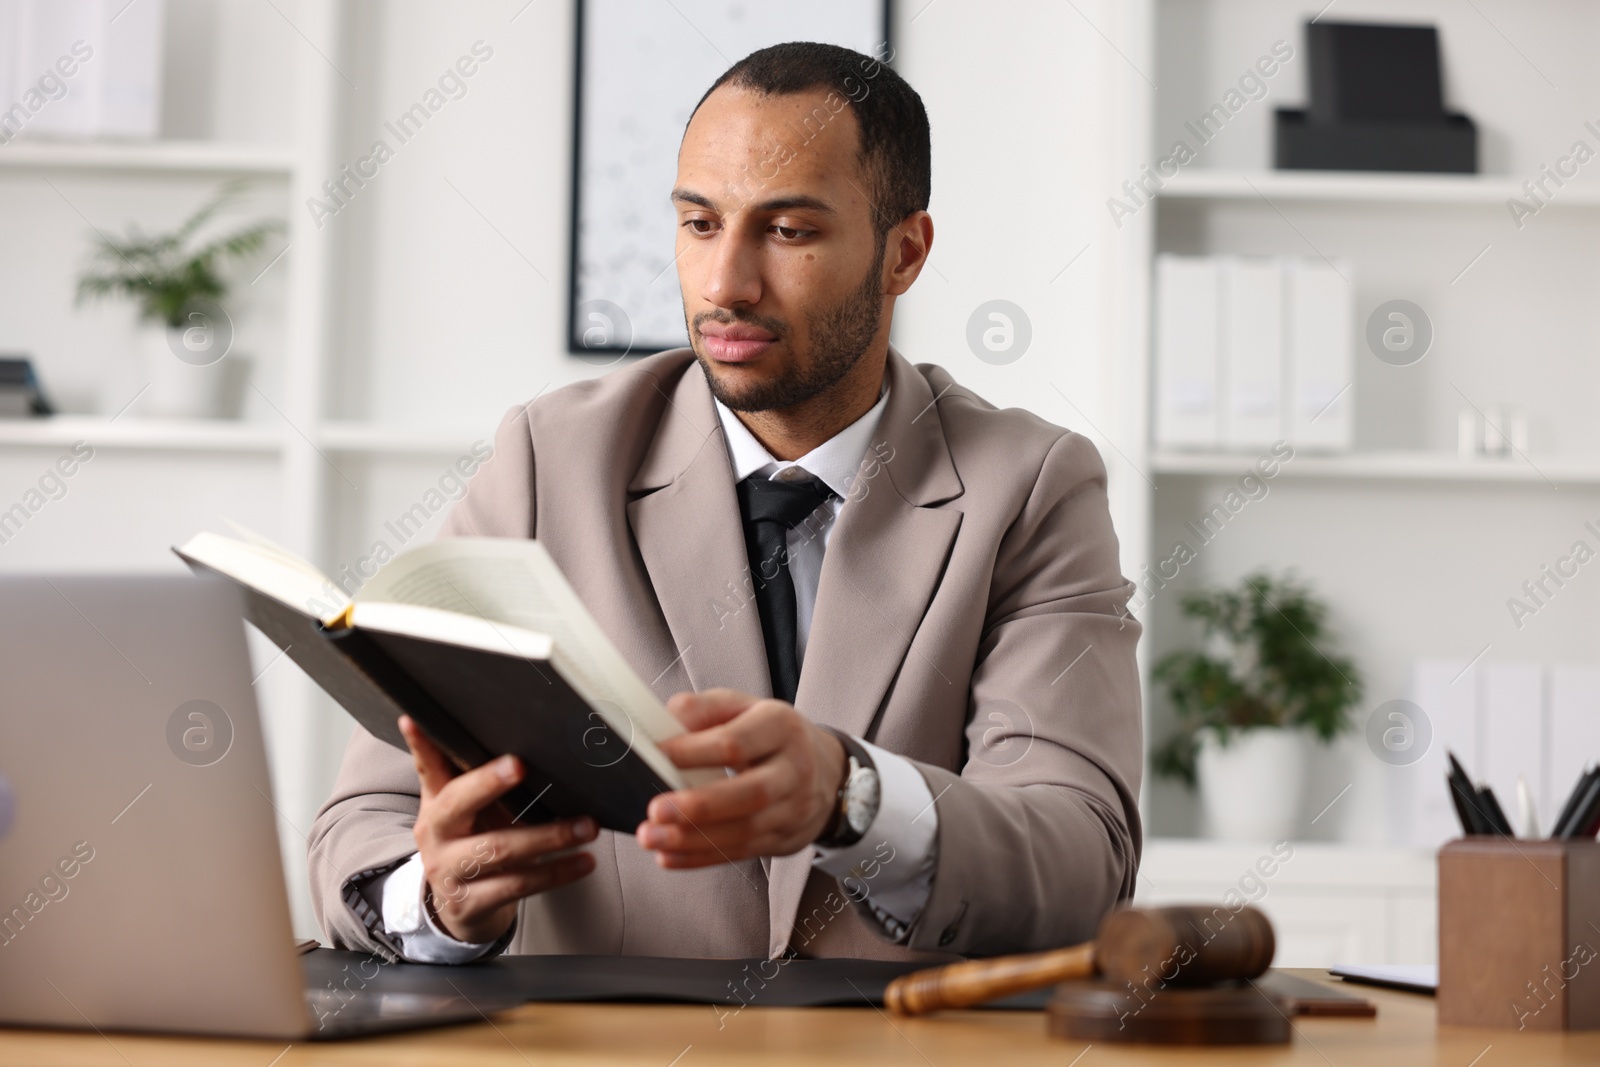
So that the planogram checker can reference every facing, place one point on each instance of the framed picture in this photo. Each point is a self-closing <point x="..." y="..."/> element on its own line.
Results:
<point x="642" y="65"/>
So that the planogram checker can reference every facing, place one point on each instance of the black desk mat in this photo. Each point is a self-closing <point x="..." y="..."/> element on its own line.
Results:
<point x="632" y="979"/>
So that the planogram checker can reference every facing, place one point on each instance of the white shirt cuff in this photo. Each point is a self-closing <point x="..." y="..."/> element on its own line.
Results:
<point x="892" y="866"/>
<point x="406" y="919"/>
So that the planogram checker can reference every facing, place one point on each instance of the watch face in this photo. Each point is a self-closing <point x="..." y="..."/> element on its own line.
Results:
<point x="861" y="800"/>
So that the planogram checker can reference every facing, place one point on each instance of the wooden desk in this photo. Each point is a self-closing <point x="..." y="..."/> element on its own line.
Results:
<point x="1404" y="1035"/>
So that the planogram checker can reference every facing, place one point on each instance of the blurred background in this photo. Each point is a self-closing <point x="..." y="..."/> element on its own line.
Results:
<point x="1321" y="296"/>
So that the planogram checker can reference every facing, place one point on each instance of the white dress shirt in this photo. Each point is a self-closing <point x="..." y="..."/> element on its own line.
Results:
<point x="907" y="819"/>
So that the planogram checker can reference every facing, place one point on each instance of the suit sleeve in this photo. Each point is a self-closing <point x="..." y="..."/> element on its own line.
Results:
<point x="364" y="830"/>
<point x="1039" y="835"/>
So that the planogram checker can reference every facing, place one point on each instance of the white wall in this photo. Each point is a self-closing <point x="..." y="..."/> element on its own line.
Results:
<point x="1035" y="118"/>
<point x="453" y="259"/>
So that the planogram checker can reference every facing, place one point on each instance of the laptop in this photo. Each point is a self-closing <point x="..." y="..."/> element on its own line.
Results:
<point x="141" y="886"/>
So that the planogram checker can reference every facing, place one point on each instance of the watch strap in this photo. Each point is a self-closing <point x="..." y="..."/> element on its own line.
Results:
<point x="838" y="833"/>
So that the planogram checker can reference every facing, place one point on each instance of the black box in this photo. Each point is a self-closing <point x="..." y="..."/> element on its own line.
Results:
<point x="20" y="395"/>
<point x="1374" y="72"/>
<point x="1377" y="103"/>
<point x="1448" y="147"/>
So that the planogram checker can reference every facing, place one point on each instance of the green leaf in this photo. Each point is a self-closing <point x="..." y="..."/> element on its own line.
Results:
<point x="164" y="274"/>
<point x="1281" y="669"/>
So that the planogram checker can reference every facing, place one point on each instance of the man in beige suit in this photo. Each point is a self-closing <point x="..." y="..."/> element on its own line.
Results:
<point x="893" y="611"/>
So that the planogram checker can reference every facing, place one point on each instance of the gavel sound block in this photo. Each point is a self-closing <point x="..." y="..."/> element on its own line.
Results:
<point x="1171" y="975"/>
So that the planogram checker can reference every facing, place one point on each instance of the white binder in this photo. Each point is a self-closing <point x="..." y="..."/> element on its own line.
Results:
<point x="1574" y="696"/>
<point x="1187" y="305"/>
<point x="1512" y="714"/>
<point x="114" y="89"/>
<point x="1251" y="367"/>
<point x="11" y="79"/>
<point x="1447" y="693"/>
<point x="1320" y="364"/>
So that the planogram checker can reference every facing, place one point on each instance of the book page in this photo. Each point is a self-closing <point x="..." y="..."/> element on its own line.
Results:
<point x="516" y="583"/>
<point x="451" y="628"/>
<point x="276" y="572"/>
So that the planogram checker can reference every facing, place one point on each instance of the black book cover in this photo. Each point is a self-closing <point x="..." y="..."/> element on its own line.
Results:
<point x="576" y="763"/>
<point x="475" y="706"/>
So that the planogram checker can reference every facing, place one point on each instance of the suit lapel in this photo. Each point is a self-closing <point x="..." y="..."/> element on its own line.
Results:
<point x="691" y="538"/>
<point x="884" y="560"/>
<point x="690" y="534"/>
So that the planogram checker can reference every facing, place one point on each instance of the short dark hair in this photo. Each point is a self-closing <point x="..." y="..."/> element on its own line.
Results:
<point x="895" y="148"/>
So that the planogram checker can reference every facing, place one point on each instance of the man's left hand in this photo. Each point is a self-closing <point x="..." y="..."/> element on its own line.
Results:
<point x="780" y="800"/>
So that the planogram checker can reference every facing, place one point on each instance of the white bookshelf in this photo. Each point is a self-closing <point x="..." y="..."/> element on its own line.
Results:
<point x="1329" y="904"/>
<point x="1389" y="466"/>
<point x="174" y="157"/>
<point x="1436" y="190"/>
<point x="230" y="435"/>
<point x="341" y="434"/>
<point x="1415" y="548"/>
<point x="253" y="97"/>
<point x="168" y="435"/>
<point x="372" y="439"/>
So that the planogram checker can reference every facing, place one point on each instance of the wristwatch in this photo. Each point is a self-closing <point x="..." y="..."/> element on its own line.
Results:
<point x="859" y="796"/>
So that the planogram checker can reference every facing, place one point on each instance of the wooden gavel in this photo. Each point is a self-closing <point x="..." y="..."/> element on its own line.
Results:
<point x="1186" y="945"/>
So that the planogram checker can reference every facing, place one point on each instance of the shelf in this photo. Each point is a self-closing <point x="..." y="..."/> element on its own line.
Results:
<point x="1386" y="466"/>
<point x="221" y="435"/>
<point x="1183" y="862"/>
<point x="174" y="435"/>
<point x="370" y="439"/>
<point x="194" y="157"/>
<point x="1362" y="187"/>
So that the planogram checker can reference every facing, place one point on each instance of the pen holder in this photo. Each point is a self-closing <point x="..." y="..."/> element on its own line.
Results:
<point x="1519" y="934"/>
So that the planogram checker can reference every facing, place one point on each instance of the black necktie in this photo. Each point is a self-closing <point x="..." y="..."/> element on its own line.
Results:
<point x="771" y="509"/>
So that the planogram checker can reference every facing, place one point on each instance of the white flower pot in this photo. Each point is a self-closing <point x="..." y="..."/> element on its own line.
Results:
<point x="1253" y="788"/>
<point x="179" y="389"/>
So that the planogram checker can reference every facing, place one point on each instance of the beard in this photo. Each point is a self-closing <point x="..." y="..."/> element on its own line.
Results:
<point x="839" y="338"/>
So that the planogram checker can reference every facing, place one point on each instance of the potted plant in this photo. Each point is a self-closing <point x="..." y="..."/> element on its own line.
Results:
<point x="1266" y="682"/>
<point x="177" y="282"/>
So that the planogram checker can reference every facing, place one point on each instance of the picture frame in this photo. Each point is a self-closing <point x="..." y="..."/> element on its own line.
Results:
<point x="640" y="67"/>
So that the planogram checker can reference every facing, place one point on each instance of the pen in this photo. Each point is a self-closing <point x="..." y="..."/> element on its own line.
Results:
<point x="1527" y="813"/>
<point x="1463" y="812"/>
<point x="1498" y="823"/>
<point x="1585" y="819"/>
<point x="1569" y="810"/>
<point x="1465" y="796"/>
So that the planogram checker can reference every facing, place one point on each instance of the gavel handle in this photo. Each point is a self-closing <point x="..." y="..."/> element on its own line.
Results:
<point x="960" y="985"/>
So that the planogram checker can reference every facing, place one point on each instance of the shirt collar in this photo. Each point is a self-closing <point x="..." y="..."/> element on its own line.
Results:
<point x="834" y="462"/>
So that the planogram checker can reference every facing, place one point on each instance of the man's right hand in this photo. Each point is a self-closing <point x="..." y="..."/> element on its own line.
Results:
<point x="478" y="863"/>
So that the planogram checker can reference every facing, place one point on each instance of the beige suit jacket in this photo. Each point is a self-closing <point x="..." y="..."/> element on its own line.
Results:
<point x="970" y="616"/>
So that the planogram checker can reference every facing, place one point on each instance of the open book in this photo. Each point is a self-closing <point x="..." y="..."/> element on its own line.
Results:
<point x="483" y="643"/>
